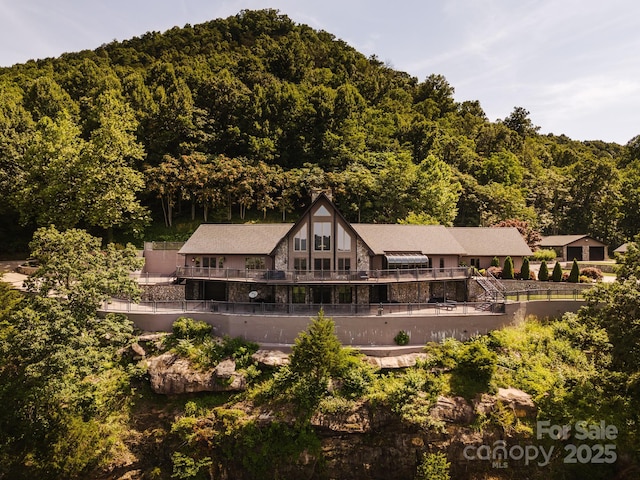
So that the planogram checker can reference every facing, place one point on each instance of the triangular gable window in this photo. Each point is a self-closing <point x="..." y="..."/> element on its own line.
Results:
<point x="322" y="212"/>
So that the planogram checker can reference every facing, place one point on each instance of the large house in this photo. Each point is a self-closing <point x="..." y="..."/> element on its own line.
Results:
<point x="322" y="259"/>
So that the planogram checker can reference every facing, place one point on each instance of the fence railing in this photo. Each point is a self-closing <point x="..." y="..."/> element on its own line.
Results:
<point x="311" y="309"/>
<point x="545" y="294"/>
<point x="148" y="278"/>
<point x="315" y="276"/>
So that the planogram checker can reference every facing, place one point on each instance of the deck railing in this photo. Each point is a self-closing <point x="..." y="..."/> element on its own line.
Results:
<point x="311" y="309"/>
<point x="320" y="276"/>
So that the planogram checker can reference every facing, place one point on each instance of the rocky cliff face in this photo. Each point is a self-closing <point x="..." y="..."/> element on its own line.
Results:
<point x="368" y="442"/>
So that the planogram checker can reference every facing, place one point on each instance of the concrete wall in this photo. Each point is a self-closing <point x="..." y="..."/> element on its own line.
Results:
<point x="162" y="262"/>
<point x="363" y="330"/>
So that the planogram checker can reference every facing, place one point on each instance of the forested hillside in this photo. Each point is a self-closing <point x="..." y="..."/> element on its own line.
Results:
<point x="248" y="114"/>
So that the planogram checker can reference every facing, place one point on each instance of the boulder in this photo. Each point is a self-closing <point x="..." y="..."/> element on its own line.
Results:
<point x="517" y="400"/>
<point x="170" y="374"/>
<point x="138" y="351"/>
<point x="521" y="402"/>
<point x="271" y="358"/>
<point x="452" y="410"/>
<point x="396" y="361"/>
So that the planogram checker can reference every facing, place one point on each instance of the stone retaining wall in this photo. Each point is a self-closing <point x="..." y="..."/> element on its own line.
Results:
<point x="162" y="293"/>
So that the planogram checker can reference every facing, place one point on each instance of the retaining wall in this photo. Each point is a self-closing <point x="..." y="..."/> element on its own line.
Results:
<point x="363" y="330"/>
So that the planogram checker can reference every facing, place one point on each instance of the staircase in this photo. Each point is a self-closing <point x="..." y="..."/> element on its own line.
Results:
<point x="493" y="290"/>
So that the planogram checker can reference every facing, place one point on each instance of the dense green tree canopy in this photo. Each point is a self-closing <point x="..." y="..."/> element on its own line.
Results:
<point x="227" y="116"/>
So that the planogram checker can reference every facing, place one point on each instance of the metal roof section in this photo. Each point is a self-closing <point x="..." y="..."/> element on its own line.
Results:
<point x="406" y="259"/>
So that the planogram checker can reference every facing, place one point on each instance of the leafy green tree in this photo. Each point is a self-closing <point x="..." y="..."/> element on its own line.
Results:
<point x="519" y="122"/>
<point x="72" y="265"/>
<point x="436" y="191"/>
<point x="63" y="389"/>
<point x="360" y="184"/>
<point x="543" y="274"/>
<point x="51" y="185"/>
<point x="44" y="97"/>
<point x="16" y="129"/>
<point x="507" y="270"/>
<point x="574" y="276"/>
<point x="435" y="96"/>
<point x="502" y="167"/>
<point x="111" y="181"/>
<point x="556" y="275"/>
<point x="614" y="306"/>
<point x="164" y="181"/>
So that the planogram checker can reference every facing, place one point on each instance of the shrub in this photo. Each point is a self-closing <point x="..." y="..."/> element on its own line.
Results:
<point x="507" y="272"/>
<point x="556" y="275"/>
<point x="477" y="361"/>
<point x="188" y="328"/>
<point x="544" y="255"/>
<point x="434" y="466"/>
<point x="592" y="273"/>
<point x="543" y="274"/>
<point x="495" y="262"/>
<point x="402" y="338"/>
<point x="495" y="271"/>
<point x="574" y="276"/>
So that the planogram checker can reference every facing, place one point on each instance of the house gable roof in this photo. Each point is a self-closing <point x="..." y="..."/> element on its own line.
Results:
<point x="563" y="240"/>
<point x="491" y="241"/>
<point x="322" y="198"/>
<point x="426" y="239"/>
<point x="238" y="239"/>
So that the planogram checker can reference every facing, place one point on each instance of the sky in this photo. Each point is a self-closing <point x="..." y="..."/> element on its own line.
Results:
<point x="573" y="64"/>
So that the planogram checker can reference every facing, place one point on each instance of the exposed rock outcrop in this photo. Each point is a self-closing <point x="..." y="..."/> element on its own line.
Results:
<point x="397" y="361"/>
<point x="520" y="402"/>
<point x="271" y="358"/>
<point x="171" y="374"/>
<point x="452" y="410"/>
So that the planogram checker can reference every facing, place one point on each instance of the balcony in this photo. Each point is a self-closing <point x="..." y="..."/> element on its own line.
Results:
<point x="284" y="277"/>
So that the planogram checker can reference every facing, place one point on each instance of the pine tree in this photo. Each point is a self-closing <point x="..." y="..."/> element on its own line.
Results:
<point x="574" y="276"/>
<point x="507" y="272"/>
<point x="556" y="276"/>
<point x="543" y="274"/>
<point x="525" y="272"/>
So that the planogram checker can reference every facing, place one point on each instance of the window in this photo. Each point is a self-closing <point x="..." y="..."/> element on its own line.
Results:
<point x="211" y="262"/>
<point x="441" y="264"/>
<point x="254" y="263"/>
<point x="300" y="239"/>
<point x="322" y="235"/>
<point x="299" y="295"/>
<point x="344" y="240"/>
<point x="344" y="264"/>
<point x="322" y="264"/>
<point x="344" y="294"/>
<point x="300" y="264"/>
<point x="322" y="212"/>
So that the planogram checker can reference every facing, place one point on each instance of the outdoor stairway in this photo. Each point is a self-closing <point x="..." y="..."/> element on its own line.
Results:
<point x="494" y="291"/>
